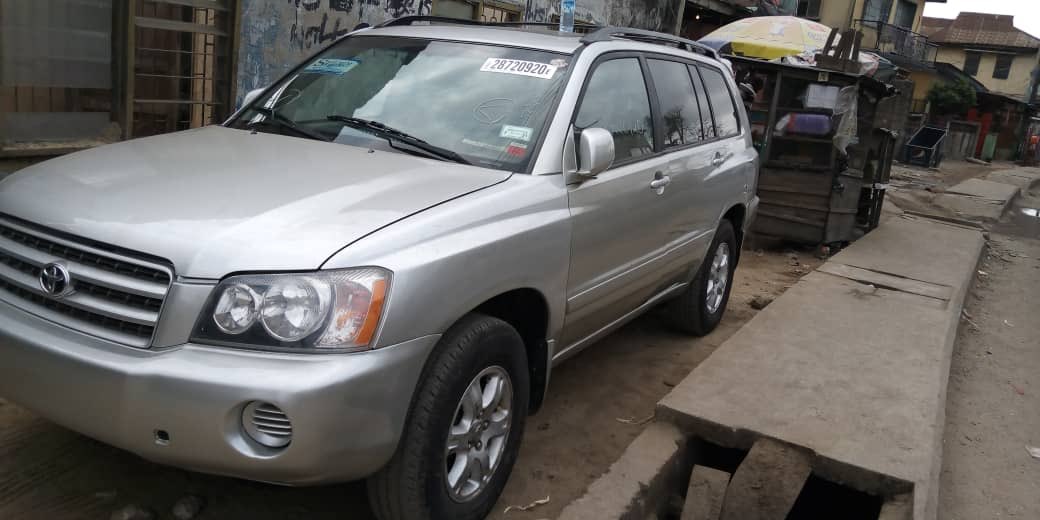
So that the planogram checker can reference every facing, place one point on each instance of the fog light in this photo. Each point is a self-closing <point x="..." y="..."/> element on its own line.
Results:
<point x="267" y="424"/>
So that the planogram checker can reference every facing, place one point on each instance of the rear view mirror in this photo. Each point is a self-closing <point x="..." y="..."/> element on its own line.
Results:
<point x="595" y="151"/>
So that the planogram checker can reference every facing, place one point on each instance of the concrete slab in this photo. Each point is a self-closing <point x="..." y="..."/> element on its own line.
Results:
<point x="767" y="483"/>
<point x="972" y="207"/>
<point x="919" y="249"/>
<point x="1024" y="178"/>
<point x="705" y="494"/>
<point x="854" y="372"/>
<point x="985" y="190"/>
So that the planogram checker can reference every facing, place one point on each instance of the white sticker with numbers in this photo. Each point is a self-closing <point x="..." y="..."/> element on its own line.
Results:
<point x="519" y="67"/>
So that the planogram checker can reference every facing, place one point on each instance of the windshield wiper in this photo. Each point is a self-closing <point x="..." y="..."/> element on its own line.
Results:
<point x="392" y="134"/>
<point x="276" y="119"/>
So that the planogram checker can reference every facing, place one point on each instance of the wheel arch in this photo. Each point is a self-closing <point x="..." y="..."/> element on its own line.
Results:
<point x="527" y="311"/>
<point x="737" y="215"/>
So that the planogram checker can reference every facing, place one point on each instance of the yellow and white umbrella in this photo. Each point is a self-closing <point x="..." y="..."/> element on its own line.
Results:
<point x="768" y="37"/>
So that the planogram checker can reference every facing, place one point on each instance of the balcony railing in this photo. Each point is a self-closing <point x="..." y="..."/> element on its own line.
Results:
<point x="898" y="42"/>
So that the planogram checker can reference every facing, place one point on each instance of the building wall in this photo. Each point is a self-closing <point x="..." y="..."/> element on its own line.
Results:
<point x="1018" y="80"/>
<point x="277" y="34"/>
<point x="837" y="13"/>
<point x="923" y="82"/>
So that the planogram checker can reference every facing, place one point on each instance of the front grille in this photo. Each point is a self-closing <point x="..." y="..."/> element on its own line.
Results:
<point x="113" y="295"/>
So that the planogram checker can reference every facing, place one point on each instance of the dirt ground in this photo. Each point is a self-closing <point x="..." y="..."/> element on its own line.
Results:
<point x="992" y="417"/>
<point x="600" y="401"/>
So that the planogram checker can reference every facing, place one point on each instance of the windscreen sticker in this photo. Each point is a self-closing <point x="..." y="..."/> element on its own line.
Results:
<point x="519" y="67"/>
<point x="334" y="66"/>
<point x="520" y="133"/>
<point x="516" y="149"/>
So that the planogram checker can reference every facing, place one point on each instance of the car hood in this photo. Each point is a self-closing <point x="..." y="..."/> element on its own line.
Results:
<point x="217" y="200"/>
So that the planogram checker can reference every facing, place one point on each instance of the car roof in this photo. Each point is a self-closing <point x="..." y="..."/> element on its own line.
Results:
<point x="527" y="37"/>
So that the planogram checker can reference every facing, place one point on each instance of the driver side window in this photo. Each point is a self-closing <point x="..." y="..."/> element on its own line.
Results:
<point x="616" y="100"/>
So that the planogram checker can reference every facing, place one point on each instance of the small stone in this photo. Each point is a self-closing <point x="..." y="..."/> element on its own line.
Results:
<point x="759" y="302"/>
<point x="133" y="512"/>
<point x="188" y="507"/>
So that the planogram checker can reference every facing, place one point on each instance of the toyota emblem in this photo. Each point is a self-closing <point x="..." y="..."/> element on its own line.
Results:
<point x="55" y="280"/>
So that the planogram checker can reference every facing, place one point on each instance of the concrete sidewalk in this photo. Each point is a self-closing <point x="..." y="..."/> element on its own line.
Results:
<point x="987" y="199"/>
<point x="851" y="363"/>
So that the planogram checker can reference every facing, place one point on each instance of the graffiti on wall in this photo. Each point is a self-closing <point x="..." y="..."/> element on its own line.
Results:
<point x="277" y="34"/>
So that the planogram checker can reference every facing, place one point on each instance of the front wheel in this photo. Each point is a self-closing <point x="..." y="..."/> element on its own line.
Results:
<point x="463" y="433"/>
<point x="699" y="309"/>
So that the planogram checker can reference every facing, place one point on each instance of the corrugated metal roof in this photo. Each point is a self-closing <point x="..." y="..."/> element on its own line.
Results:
<point x="984" y="29"/>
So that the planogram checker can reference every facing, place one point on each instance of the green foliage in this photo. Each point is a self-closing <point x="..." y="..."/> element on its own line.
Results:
<point x="951" y="98"/>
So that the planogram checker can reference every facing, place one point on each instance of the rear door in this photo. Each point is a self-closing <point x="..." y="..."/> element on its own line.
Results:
<point x="732" y="160"/>
<point x="685" y="144"/>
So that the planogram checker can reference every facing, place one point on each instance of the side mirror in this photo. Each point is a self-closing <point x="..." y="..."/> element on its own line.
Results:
<point x="252" y="95"/>
<point x="595" y="151"/>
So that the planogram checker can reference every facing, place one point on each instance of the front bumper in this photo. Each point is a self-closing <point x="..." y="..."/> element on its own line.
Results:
<point x="347" y="410"/>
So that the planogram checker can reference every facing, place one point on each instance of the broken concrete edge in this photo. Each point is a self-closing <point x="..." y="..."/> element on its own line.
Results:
<point x="828" y="469"/>
<point x="654" y="466"/>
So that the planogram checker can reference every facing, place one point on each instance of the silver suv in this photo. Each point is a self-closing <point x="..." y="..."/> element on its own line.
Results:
<point x="370" y="270"/>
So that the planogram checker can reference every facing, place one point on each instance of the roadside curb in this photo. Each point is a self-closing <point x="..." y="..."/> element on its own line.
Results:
<point x="783" y="377"/>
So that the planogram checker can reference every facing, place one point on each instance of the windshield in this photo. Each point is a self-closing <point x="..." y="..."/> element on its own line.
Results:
<point x="485" y="103"/>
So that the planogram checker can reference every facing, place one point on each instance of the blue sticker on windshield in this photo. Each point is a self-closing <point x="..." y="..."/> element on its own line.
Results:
<point x="333" y="66"/>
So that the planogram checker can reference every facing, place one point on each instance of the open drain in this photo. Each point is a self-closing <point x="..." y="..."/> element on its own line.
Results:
<point x="772" y="480"/>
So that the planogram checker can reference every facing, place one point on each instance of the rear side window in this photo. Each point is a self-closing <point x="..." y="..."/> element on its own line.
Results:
<point x="702" y="100"/>
<point x="679" y="109"/>
<point x="616" y="100"/>
<point x="722" y="106"/>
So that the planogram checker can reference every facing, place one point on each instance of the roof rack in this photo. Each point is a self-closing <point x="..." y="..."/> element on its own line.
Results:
<point x="410" y="20"/>
<point x="609" y="33"/>
<point x="595" y="33"/>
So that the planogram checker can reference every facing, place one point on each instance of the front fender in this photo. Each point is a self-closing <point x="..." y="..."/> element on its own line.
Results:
<point x="450" y="258"/>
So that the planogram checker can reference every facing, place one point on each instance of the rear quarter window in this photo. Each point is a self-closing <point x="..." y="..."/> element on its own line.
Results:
<point x="723" y="108"/>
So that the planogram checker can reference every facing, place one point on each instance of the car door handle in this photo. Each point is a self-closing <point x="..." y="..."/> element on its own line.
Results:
<point x="718" y="159"/>
<point x="660" y="181"/>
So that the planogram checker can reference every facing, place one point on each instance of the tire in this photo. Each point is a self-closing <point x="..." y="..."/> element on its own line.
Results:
<point x="414" y="484"/>
<point x="691" y="312"/>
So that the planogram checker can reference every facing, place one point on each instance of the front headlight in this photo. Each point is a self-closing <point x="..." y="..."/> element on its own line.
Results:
<point x="311" y="312"/>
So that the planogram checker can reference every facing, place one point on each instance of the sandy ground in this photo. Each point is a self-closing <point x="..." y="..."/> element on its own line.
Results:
<point x="992" y="414"/>
<point x="49" y="472"/>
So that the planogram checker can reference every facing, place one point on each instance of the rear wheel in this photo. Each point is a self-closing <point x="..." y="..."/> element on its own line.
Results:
<point x="699" y="309"/>
<point x="463" y="433"/>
